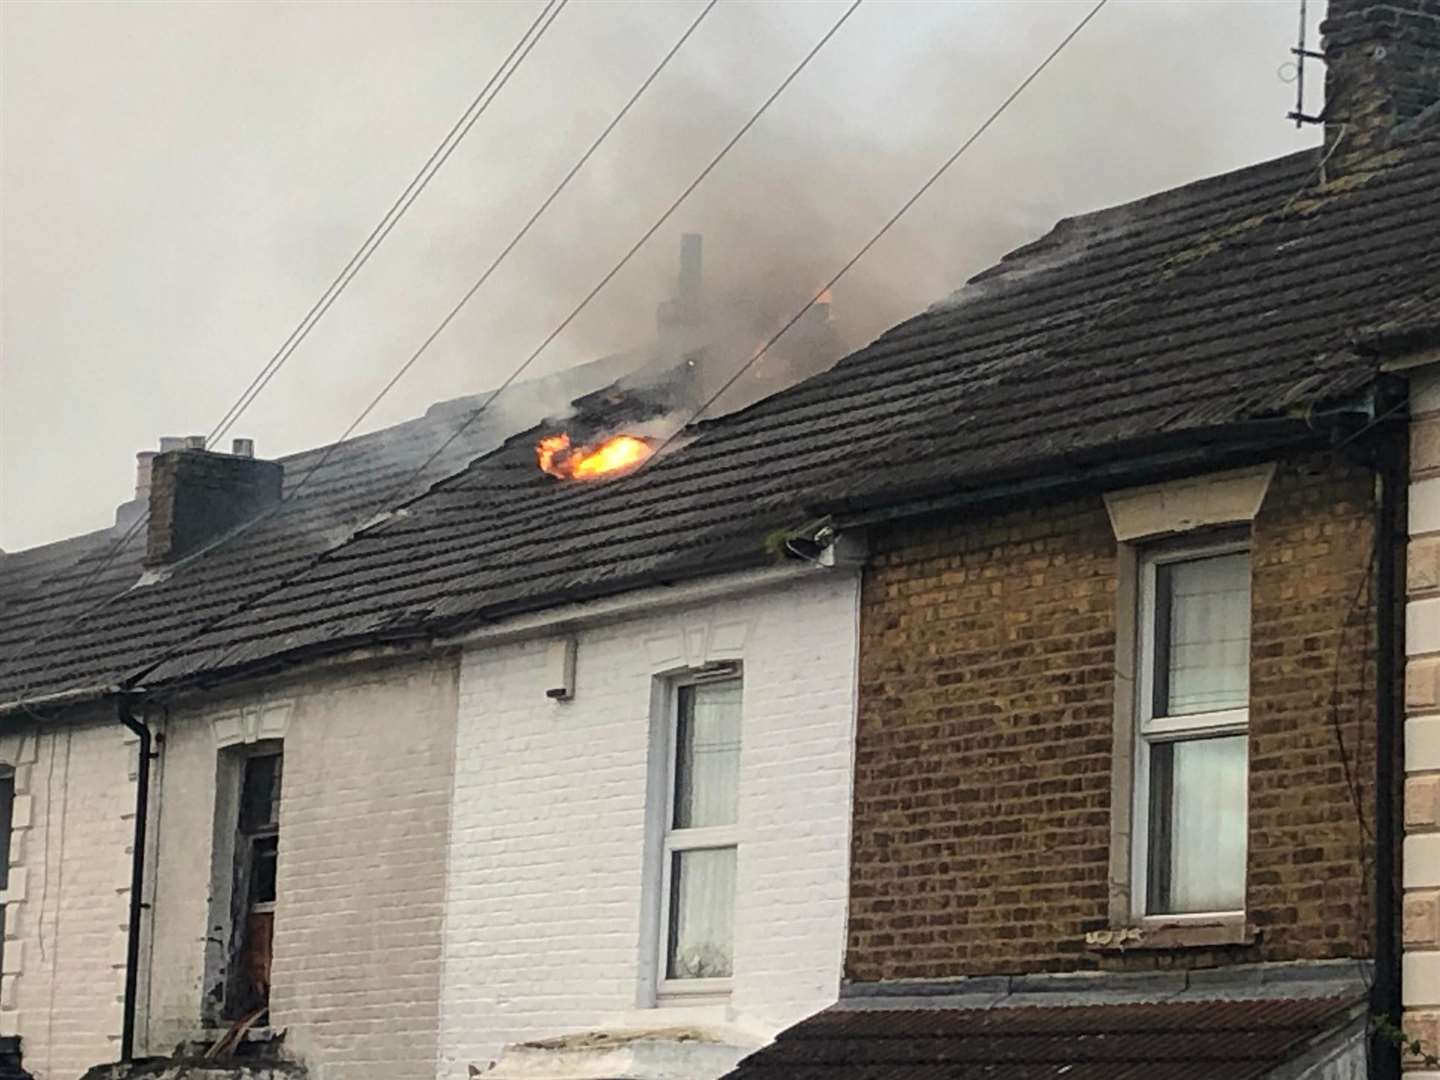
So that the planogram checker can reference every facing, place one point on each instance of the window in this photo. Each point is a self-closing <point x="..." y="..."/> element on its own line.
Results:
<point x="698" y="887"/>
<point x="7" y="820"/>
<point x="7" y="816"/>
<point x="257" y="848"/>
<point x="1192" y="757"/>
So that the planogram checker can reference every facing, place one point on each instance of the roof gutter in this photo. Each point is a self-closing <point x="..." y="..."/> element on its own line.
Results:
<point x="515" y="622"/>
<point x="77" y="696"/>
<point x="644" y="601"/>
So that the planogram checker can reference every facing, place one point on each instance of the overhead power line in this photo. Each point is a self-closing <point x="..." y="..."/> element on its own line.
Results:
<point x="624" y="259"/>
<point x="534" y="217"/>
<point x="885" y="228"/>
<point x="482" y="101"/>
<point x="494" y="265"/>
<point x="491" y="90"/>
<point x="645" y="236"/>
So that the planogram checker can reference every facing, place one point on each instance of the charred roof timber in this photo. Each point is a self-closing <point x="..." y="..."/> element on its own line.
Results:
<point x="196" y="495"/>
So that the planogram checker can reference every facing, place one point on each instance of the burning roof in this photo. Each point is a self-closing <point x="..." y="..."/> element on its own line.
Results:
<point x="1083" y="361"/>
<point x="609" y="457"/>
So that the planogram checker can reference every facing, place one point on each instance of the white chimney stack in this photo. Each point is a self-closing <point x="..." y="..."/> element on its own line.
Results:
<point x="142" y="474"/>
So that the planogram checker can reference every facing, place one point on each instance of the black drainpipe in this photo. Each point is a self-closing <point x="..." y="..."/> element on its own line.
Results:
<point x="1385" y="994"/>
<point x="137" y="874"/>
<point x="1382" y="454"/>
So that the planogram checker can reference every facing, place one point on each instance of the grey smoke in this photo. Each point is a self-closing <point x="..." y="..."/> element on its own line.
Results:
<point x="180" y="181"/>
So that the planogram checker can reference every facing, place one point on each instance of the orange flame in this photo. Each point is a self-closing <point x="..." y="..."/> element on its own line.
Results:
<point x="619" y="453"/>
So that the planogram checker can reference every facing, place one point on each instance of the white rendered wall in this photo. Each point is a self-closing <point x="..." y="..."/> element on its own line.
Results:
<point x="363" y="816"/>
<point x="67" y="905"/>
<point x="546" y="930"/>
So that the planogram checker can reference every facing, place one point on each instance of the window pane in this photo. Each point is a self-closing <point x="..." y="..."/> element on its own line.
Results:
<point x="260" y="793"/>
<point x="702" y="914"/>
<point x="707" y="755"/>
<point x="1198" y="806"/>
<point x="7" y="813"/>
<point x="264" y="854"/>
<point x="1202" y="655"/>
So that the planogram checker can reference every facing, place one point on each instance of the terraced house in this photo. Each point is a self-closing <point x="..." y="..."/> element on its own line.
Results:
<point x="1059" y="732"/>
<point x="1129" y="754"/>
<point x="576" y="799"/>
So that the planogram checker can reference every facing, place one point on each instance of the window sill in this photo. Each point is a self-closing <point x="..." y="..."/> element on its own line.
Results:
<point x="211" y="1031"/>
<point x="1185" y="932"/>
<point x="698" y="993"/>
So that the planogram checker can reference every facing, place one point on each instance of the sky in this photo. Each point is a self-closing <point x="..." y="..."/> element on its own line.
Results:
<point x="179" y="182"/>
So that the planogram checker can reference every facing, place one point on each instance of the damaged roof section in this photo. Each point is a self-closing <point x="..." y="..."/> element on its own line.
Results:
<point x="1229" y="300"/>
<point x="1232" y="300"/>
<point x="79" y="615"/>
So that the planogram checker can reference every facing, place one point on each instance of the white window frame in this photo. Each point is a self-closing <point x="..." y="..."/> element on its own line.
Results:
<point x="1151" y="729"/>
<point x="7" y="845"/>
<point x="668" y="990"/>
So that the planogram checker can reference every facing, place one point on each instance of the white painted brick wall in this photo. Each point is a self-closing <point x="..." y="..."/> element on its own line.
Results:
<point x="68" y="900"/>
<point x="363" y="819"/>
<point x="548" y="837"/>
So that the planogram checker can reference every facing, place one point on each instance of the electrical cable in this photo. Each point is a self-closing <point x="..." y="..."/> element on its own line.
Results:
<point x="583" y="303"/>
<point x="1318" y="169"/>
<point x="574" y="170"/>
<point x="885" y="228"/>
<point x="412" y="191"/>
<point x="625" y="259"/>
<point x="484" y="277"/>
<point x="655" y="227"/>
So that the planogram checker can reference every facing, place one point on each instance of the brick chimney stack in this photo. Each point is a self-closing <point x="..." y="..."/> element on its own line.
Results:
<point x="197" y="495"/>
<point x="1382" y="70"/>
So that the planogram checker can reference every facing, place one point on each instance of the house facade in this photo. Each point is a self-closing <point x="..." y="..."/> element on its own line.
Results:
<point x="69" y="800"/>
<point x="1115" y="786"/>
<point x="358" y="861"/>
<point x="663" y="848"/>
<point x="1130" y="740"/>
<point x="299" y="862"/>
<point x="424" y="861"/>
<point x="1128" y="762"/>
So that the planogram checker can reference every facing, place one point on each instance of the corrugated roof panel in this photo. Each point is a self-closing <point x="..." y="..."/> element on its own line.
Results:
<point x="1199" y="1040"/>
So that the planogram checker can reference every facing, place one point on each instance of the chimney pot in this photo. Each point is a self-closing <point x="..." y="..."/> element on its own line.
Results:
<point x="242" y="447"/>
<point x="171" y="442"/>
<point x="143" y="460"/>
<point x="195" y="442"/>
<point x="128" y="513"/>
